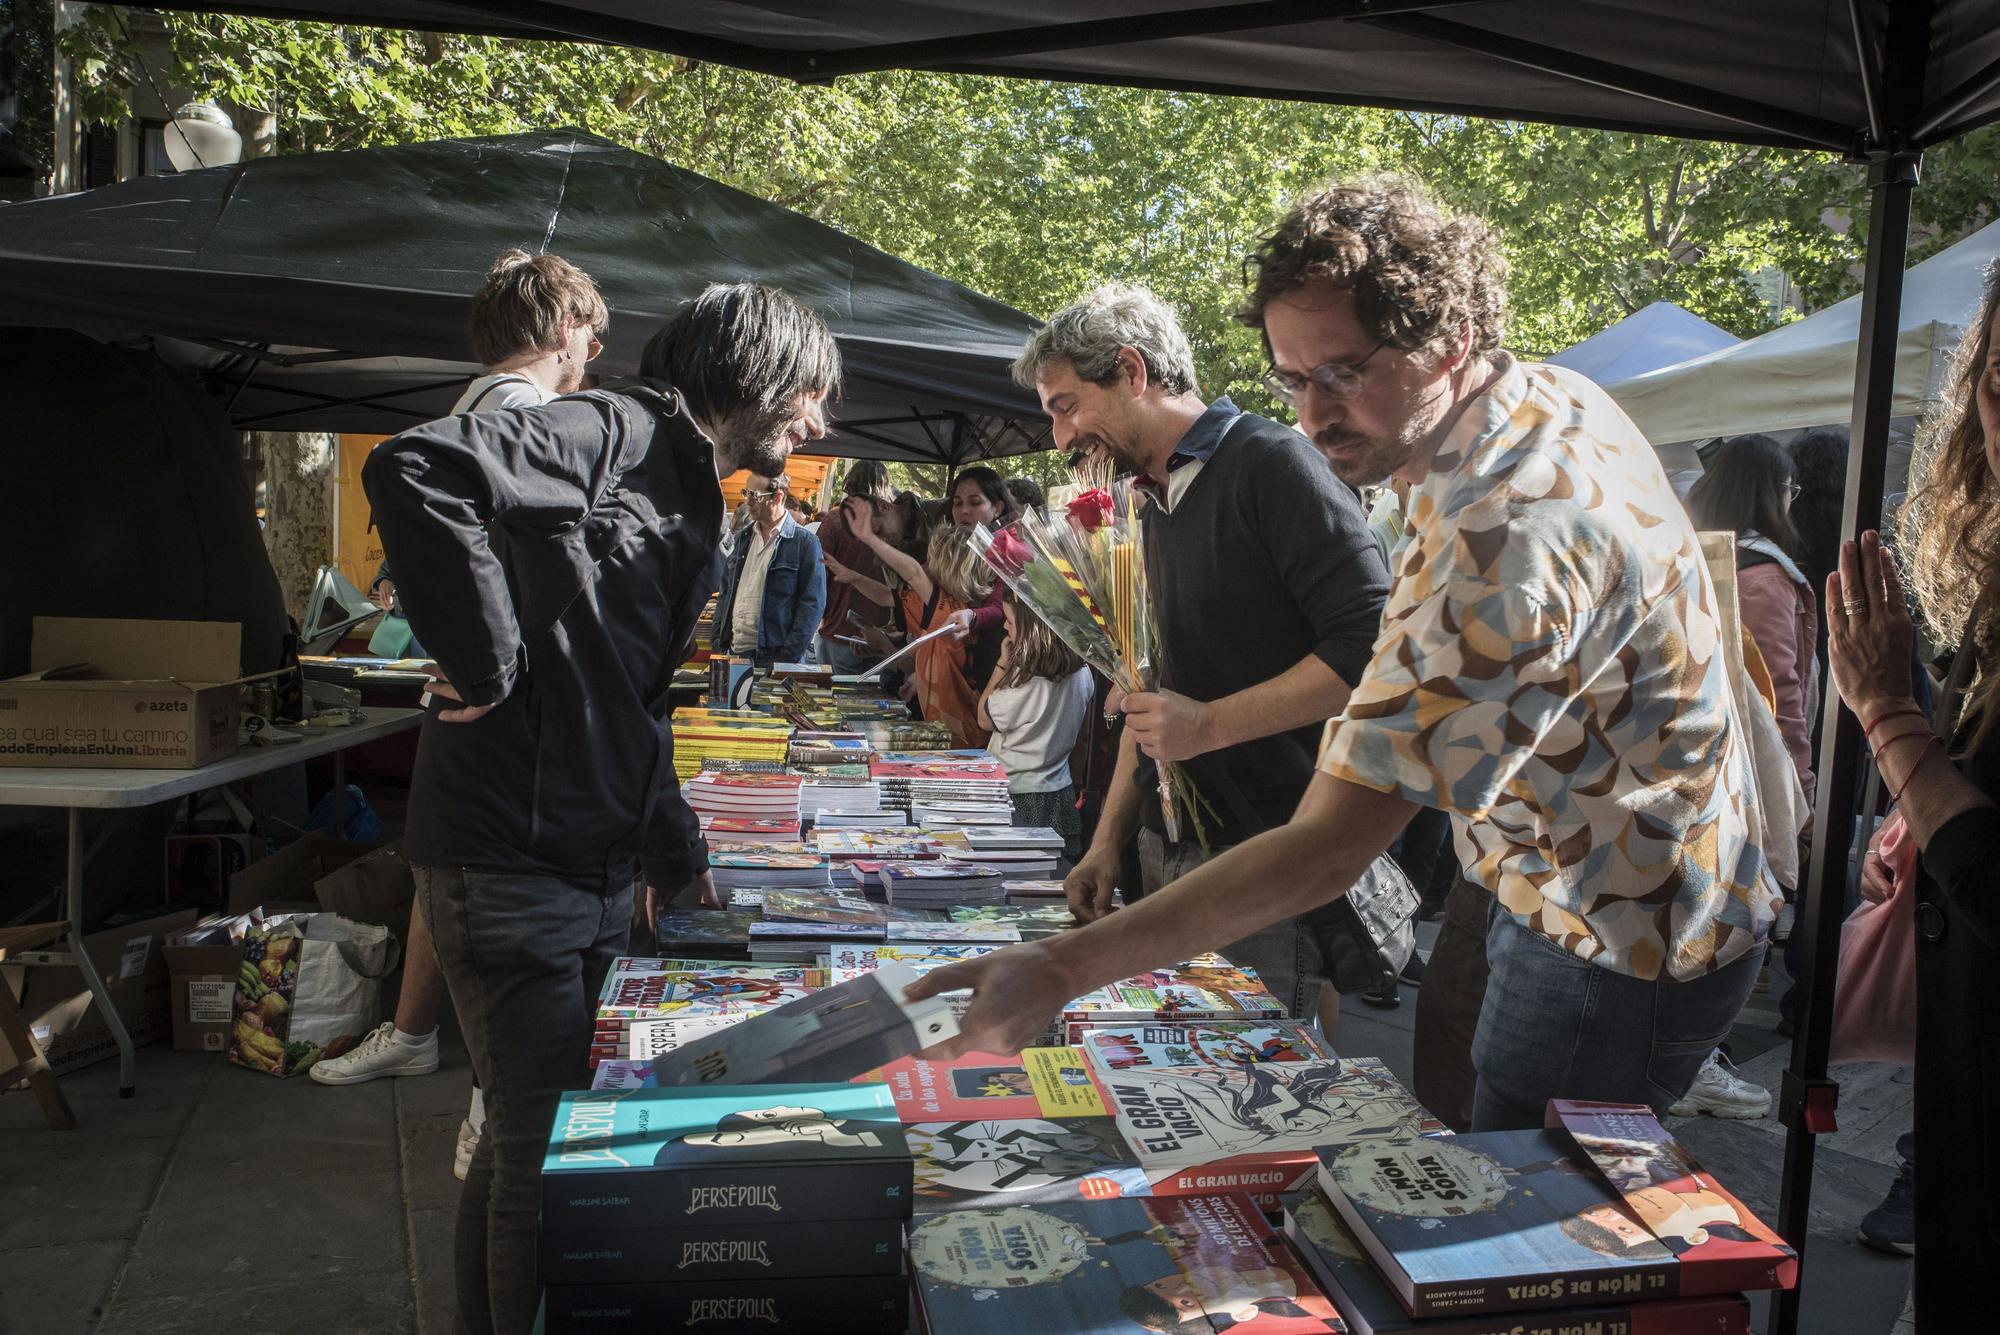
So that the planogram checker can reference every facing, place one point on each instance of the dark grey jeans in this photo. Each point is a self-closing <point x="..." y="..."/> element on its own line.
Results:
<point x="524" y="957"/>
<point x="1555" y="1026"/>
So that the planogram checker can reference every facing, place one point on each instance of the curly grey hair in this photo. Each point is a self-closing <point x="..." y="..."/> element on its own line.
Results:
<point x="1089" y="332"/>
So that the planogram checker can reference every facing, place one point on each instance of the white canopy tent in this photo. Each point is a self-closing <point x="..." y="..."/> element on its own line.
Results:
<point x="1654" y="336"/>
<point x="1801" y="375"/>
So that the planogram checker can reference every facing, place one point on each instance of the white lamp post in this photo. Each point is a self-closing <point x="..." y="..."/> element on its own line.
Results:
<point x="202" y="135"/>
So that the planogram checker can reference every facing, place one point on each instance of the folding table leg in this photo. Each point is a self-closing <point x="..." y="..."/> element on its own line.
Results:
<point x="127" y="1082"/>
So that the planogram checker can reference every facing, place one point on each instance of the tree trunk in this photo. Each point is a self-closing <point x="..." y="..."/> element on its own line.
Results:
<point x="298" y="508"/>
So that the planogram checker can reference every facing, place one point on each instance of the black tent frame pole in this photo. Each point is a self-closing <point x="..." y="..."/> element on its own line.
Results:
<point x="1808" y="1097"/>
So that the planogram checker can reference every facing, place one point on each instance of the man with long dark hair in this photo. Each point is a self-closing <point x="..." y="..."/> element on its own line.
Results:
<point x="557" y="557"/>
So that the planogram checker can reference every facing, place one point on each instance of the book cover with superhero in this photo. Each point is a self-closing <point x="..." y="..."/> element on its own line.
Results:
<point x="1198" y="1263"/>
<point x="1207" y="987"/>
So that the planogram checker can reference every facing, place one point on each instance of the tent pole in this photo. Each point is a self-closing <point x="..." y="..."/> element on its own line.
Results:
<point x="1807" y="1105"/>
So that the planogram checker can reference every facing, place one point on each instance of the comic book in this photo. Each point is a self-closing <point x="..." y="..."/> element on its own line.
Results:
<point x="994" y="933"/>
<point x="776" y="1153"/>
<point x="1517" y="1220"/>
<point x="1220" y="1043"/>
<point x="827" y="1305"/>
<point x="1113" y="1267"/>
<point x="848" y="962"/>
<point x="752" y="829"/>
<point x="1369" y="1308"/>
<point x="823" y="906"/>
<point x="706" y="930"/>
<point x="1037" y="1082"/>
<point x="1254" y="1128"/>
<point x="1207" y="987"/>
<point x="988" y="1161"/>
<point x="834" y="1034"/>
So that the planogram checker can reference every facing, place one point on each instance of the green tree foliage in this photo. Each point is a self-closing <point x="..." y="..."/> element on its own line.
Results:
<point x="1033" y="191"/>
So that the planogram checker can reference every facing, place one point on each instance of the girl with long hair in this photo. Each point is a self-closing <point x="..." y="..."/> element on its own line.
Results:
<point x="1034" y="705"/>
<point x="950" y="578"/>
<point x="1945" y="793"/>
<point x="1748" y="491"/>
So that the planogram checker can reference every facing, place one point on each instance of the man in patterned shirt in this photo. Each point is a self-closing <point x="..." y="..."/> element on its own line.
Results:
<point x="1549" y="671"/>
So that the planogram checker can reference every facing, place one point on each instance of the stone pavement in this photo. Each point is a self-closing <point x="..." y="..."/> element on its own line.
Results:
<point x="221" y="1199"/>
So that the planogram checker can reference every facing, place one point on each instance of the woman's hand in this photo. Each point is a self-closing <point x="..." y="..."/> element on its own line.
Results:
<point x="960" y="623"/>
<point x="841" y="574"/>
<point x="1875" y="884"/>
<point x="1868" y="631"/>
<point x="860" y="514"/>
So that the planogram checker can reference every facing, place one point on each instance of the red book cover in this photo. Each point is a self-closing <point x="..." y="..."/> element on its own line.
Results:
<point x="1721" y="1246"/>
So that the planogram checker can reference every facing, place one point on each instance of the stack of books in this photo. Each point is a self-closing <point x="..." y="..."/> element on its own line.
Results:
<point x="825" y="795"/>
<point x="896" y="843"/>
<point x="726" y="734"/>
<point x="1114" y="1048"/>
<point x="1032" y="891"/>
<point x="706" y="933"/>
<point x="717" y="793"/>
<point x="946" y="783"/>
<point x="882" y="818"/>
<point x="1033" y="921"/>
<point x="771" y="867"/>
<point x="830" y="748"/>
<point x="1011" y="862"/>
<point x="1207" y="987"/>
<point x="1602" y="1222"/>
<point x="639" y="988"/>
<point x="750" y="829"/>
<point x="1011" y="838"/>
<point x="894" y="733"/>
<point x="940" y="884"/>
<point x="765" y="1207"/>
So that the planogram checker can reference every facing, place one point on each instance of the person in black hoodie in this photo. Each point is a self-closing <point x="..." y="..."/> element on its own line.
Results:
<point x="557" y="558"/>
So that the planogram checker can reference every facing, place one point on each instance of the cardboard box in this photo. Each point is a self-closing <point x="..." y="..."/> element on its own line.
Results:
<point x="202" y="964"/>
<point x="124" y="694"/>
<point x="61" y="1013"/>
<point x="285" y="880"/>
<point x="202" y="857"/>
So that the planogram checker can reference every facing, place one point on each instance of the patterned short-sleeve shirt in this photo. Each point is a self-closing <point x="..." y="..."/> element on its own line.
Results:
<point x="1550" y="670"/>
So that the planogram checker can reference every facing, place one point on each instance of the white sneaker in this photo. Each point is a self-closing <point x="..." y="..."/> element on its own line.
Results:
<point x="381" y="1053"/>
<point x="1782" y="929"/>
<point x="1720" y="1092"/>
<point x="468" y="1141"/>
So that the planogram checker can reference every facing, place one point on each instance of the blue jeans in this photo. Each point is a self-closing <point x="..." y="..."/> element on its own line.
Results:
<point x="1554" y="1026"/>
<point x="524" y="957"/>
<point x="846" y="659"/>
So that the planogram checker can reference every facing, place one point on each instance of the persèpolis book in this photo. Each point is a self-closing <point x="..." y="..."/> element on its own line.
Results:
<point x="1107" y="1267"/>
<point x="752" y="1250"/>
<point x="1037" y="1082"/>
<point x="1255" y="1128"/>
<point x="1113" y="1048"/>
<point x="978" y="1161"/>
<point x="824" y="1306"/>
<point x="1343" y="1270"/>
<point x="834" y="1034"/>
<point x="1517" y="1220"/>
<point x="772" y="1154"/>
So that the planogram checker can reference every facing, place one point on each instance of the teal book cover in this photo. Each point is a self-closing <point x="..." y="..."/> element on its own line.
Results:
<point x="776" y="1152"/>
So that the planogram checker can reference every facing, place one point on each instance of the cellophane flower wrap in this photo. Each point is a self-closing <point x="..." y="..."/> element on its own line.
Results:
<point x="1082" y="570"/>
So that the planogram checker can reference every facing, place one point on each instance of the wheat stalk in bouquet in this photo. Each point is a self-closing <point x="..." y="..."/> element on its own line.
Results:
<point x="1083" y="571"/>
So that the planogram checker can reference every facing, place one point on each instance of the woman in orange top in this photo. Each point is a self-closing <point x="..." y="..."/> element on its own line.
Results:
<point x="950" y="579"/>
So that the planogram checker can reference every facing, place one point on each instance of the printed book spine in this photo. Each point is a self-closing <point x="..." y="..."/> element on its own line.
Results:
<point x="1500" y="1293"/>
<point x="1255" y="1174"/>
<point x="736" y="1251"/>
<point x="731" y="1307"/>
<point x="771" y="1194"/>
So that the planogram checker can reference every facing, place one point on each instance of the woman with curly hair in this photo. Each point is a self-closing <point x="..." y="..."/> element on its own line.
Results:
<point x="1946" y="792"/>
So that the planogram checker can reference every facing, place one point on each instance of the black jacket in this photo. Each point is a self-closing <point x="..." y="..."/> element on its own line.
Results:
<point x="557" y="558"/>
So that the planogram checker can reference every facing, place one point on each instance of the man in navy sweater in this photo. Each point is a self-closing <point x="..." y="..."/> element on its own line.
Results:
<point x="1267" y="585"/>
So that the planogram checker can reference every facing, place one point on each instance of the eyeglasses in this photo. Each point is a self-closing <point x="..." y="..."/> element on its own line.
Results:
<point x="761" y="495"/>
<point x="1793" y="489"/>
<point x="1336" y="380"/>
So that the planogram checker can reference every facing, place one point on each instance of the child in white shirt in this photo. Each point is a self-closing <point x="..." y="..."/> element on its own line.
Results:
<point x="1035" y="704"/>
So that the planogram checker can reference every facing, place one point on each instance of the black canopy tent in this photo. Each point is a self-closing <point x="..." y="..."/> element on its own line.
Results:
<point x="1874" y="79"/>
<point x="329" y="291"/>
